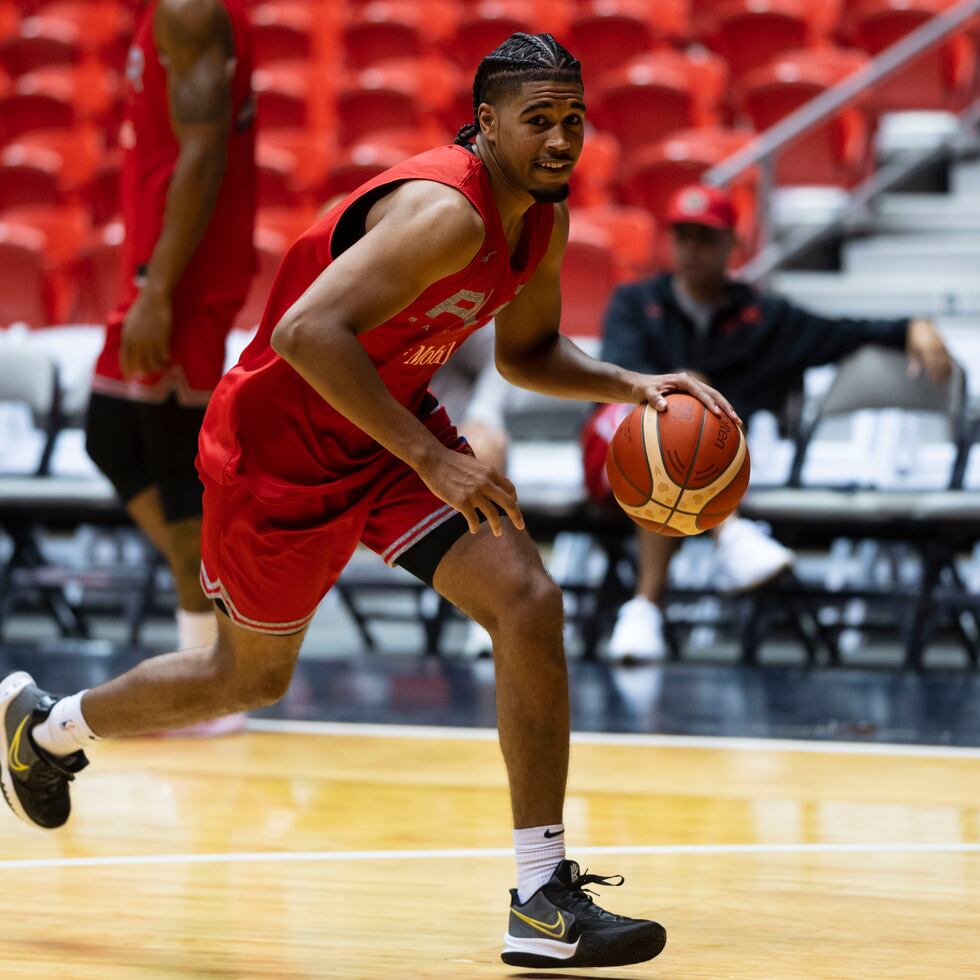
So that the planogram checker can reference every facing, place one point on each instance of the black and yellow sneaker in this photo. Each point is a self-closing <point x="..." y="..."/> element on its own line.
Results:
<point x="560" y="925"/>
<point x="34" y="782"/>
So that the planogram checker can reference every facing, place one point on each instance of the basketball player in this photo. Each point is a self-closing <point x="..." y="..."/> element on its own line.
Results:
<point x="325" y="435"/>
<point x="188" y="196"/>
<point x="756" y="346"/>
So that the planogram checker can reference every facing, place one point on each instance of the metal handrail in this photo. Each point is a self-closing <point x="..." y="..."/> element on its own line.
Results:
<point x="826" y="105"/>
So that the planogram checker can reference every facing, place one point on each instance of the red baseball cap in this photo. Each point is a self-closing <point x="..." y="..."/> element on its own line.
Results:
<point x="699" y="204"/>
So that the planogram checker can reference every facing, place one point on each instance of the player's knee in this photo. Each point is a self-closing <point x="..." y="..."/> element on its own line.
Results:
<point x="257" y="681"/>
<point x="532" y="605"/>
<point x="264" y="686"/>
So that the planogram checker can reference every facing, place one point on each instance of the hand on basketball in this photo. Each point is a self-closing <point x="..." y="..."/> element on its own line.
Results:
<point x="654" y="388"/>
<point x="146" y="330"/>
<point x="927" y="352"/>
<point x="473" y="488"/>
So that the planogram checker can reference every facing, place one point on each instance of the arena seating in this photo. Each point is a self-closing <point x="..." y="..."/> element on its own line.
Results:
<point x="346" y="89"/>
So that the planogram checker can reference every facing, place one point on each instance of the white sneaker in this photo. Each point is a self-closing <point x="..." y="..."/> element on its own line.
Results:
<point x="746" y="556"/>
<point x="638" y="633"/>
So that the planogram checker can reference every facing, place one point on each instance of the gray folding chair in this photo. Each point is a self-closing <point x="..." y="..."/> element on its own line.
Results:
<point x="876" y="378"/>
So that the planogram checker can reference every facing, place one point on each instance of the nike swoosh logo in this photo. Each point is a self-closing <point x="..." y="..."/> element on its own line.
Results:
<point x="554" y="929"/>
<point x="556" y="833"/>
<point x="13" y="755"/>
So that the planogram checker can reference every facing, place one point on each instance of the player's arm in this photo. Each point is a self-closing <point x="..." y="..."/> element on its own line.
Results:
<point x="196" y="47"/>
<point x="531" y="352"/>
<point x="418" y="234"/>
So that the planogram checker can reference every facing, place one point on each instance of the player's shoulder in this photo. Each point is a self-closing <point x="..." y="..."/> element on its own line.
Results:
<point x="438" y="209"/>
<point x="191" y="19"/>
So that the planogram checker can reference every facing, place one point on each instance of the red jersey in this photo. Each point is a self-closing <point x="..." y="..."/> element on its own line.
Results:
<point x="224" y="262"/>
<point x="268" y="429"/>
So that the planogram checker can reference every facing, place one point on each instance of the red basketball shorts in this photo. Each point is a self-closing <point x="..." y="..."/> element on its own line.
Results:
<point x="197" y="356"/>
<point x="271" y="562"/>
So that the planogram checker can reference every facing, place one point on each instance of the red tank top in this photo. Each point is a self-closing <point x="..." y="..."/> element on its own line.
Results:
<point x="224" y="262"/>
<point x="269" y="429"/>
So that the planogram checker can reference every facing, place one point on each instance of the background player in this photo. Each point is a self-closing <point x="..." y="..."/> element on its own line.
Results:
<point x="325" y="435"/>
<point x="188" y="194"/>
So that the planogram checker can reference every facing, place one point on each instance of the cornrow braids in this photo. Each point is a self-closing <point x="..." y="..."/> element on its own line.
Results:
<point x="521" y="58"/>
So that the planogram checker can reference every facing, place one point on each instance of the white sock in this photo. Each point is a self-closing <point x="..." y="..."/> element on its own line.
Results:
<point x="539" y="851"/>
<point x="65" y="730"/>
<point x="196" y="629"/>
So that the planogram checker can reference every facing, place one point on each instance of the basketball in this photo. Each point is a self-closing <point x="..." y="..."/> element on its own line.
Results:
<point x="678" y="472"/>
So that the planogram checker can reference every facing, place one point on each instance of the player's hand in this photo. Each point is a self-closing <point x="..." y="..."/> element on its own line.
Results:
<point x="654" y="388"/>
<point x="146" y="331"/>
<point x="473" y="488"/>
<point x="927" y="352"/>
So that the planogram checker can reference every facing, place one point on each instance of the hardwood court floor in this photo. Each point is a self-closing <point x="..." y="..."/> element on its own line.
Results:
<point x="297" y="855"/>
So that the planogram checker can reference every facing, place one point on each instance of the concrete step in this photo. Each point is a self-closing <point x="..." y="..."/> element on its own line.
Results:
<point x="917" y="214"/>
<point x="839" y="294"/>
<point x="915" y="255"/>
<point x="965" y="177"/>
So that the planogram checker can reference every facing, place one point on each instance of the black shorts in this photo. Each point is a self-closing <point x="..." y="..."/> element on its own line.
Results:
<point x="142" y="444"/>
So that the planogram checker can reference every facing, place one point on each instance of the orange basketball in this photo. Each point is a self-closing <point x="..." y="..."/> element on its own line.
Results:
<point x="681" y="471"/>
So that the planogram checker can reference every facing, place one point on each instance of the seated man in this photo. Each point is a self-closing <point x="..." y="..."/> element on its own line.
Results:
<point x="752" y="345"/>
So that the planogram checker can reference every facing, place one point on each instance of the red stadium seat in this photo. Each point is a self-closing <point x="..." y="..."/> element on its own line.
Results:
<point x="606" y="33"/>
<point x="748" y="33"/>
<point x="62" y="231"/>
<point x="356" y="165"/>
<point x="486" y="24"/>
<point x="283" y="32"/>
<point x="29" y="175"/>
<point x="42" y="42"/>
<point x="101" y="192"/>
<point x="10" y="18"/>
<point x="392" y="29"/>
<point x="376" y="153"/>
<point x="292" y="95"/>
<point x="56" y="98"/>
<point x="596" y="170"/>
<point x="945" y="78"/>
<point x="652" y="174"/>
<point x="657" y="93"/>
<point x="395" y="95"/>
<point x="23" y="290"/>
<point x="100" y="25"/>
<point x="48" y="166"/>
<point x="97" y="272"/>
<point x="838" y="153"/>
<point x="632" y="237"/>
<point x="588" y="276"/>
<point x="289" y="223"/>
<point x="292" y="163"/>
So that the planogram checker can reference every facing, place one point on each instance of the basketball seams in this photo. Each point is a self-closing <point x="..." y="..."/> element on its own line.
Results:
<point x="721" y="482"/>
<point x="622" y="472"/>
<point x="690" y="468"/>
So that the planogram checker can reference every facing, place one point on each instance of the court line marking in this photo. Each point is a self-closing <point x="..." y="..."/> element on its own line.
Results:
<point x="726" y="742"/>
<point x="289" y="857"/>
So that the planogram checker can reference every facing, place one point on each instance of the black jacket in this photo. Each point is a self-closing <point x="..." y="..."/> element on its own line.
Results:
<point x="756" y="348"/>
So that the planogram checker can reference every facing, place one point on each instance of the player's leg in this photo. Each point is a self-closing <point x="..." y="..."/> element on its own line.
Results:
<point x="42" y="739"/>
<point x="638" y="632"/>
<point x="502" y="583"/>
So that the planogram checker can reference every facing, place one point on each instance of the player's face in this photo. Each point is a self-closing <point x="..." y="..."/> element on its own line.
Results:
<point x="538" y="137"/>
<point x="701" y="254"/>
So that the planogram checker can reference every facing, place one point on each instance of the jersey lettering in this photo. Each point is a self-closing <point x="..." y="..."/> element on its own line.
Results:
<point x="430" y="354"/>
<point x="453" y="306"/>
